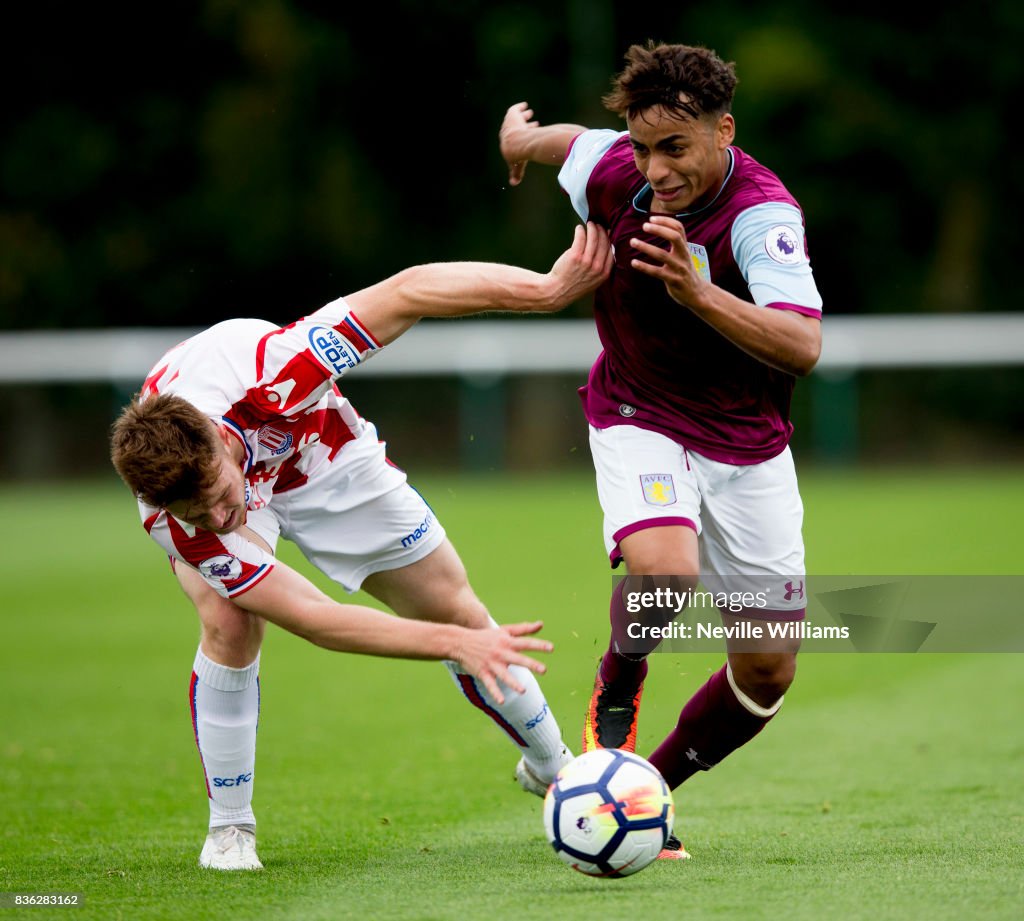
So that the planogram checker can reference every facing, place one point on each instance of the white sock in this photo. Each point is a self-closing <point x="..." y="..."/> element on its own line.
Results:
<point x="225" y="712"/>
<point x="525" y="718"/>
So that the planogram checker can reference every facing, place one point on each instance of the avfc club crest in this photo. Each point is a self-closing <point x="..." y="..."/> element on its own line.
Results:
<point x="659" y="488"/>
<point x="699" y="258"/>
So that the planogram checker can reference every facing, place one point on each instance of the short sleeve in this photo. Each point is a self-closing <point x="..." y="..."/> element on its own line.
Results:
<point x="770" y="250"/>
<point x="229" y="563"/>
<point x="296" y="365"/>
<point x="586" y="152"/>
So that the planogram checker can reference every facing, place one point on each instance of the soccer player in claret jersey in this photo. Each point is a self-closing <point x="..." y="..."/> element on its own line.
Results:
<point x="709" y="315"/>
<point x="240" y="436"/>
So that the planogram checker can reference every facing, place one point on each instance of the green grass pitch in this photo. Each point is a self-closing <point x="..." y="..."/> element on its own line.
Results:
<point x="889" y="786"/>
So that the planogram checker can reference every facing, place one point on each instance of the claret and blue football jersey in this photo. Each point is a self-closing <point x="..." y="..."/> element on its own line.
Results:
<point x="662" y="367"/>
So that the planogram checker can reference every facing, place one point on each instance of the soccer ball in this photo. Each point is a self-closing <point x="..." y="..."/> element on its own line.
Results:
<point x="608" y="813"/>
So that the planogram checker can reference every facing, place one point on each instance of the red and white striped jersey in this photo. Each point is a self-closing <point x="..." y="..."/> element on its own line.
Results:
<point x="273" y="389"/>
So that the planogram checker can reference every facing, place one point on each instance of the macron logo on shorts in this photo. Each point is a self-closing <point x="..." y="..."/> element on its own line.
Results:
<point x="411" y="539"/>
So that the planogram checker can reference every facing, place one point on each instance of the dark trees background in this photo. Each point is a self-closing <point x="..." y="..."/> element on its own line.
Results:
<point x="179" y="164"/>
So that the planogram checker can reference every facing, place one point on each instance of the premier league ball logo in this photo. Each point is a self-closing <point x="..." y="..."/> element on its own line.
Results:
<point x="784" y="244"/>
<point x="223" y="566"/>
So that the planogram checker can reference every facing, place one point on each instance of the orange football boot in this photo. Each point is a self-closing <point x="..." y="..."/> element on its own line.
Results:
<point x="611" y="719"/>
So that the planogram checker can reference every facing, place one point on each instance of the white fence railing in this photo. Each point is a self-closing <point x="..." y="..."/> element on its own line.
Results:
<point x="523" y="346"/>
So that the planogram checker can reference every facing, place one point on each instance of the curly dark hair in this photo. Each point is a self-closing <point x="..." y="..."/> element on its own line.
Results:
<point x="165" y="449"/>
<point x="687" y="80"/>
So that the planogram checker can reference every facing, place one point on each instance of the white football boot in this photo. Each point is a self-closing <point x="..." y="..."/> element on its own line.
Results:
<point x="531" y="783"/>
<point x="231" y="847"/>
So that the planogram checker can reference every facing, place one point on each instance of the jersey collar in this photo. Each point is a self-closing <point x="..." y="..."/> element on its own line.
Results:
<point x="235" y="429"/>
<point x="645" y="193"/>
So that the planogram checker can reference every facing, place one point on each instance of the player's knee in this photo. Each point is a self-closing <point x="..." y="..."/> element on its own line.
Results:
<point x="453" y="602"/>
<point x="627" y="613"/>
<point x="235" y="649"/>
<point x="451" y="598"/>
<point x="765" y="678"/>
<point x="466" y="610"/>
<point x="684" y="572"/>
<point x="230" y="636"/>
<point x="669" y="551"/>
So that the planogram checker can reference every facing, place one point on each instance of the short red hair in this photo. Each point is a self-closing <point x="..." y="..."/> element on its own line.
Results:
<point x="165" y="449"/>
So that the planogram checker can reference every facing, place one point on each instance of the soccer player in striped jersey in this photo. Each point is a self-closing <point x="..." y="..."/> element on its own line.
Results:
<point x="710" y="314"/>
<point x="240" y="436"/>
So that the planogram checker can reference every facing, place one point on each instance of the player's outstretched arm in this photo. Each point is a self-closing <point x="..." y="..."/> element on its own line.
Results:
<point x="288" y="599"/>
<point x="454" y="289"/>
<point x="522" y="140"/>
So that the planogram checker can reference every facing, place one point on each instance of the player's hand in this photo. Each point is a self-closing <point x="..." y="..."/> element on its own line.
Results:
<point x="582" y="267"/>
<point x="673" y="263"/>
<point x="487" y="654"/>
<point x="514" y="139"/>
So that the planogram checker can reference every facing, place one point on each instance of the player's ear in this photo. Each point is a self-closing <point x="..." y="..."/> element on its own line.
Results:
<point x="726" y="130"/>
<point x="226" y="438"/>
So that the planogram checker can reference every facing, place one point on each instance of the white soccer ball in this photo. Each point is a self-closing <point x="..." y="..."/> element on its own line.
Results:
<point x="608" y="813"/>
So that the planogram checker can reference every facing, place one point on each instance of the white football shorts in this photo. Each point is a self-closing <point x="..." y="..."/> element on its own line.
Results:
<point x="356" y="515"/>
<point x="748" y="518"/>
